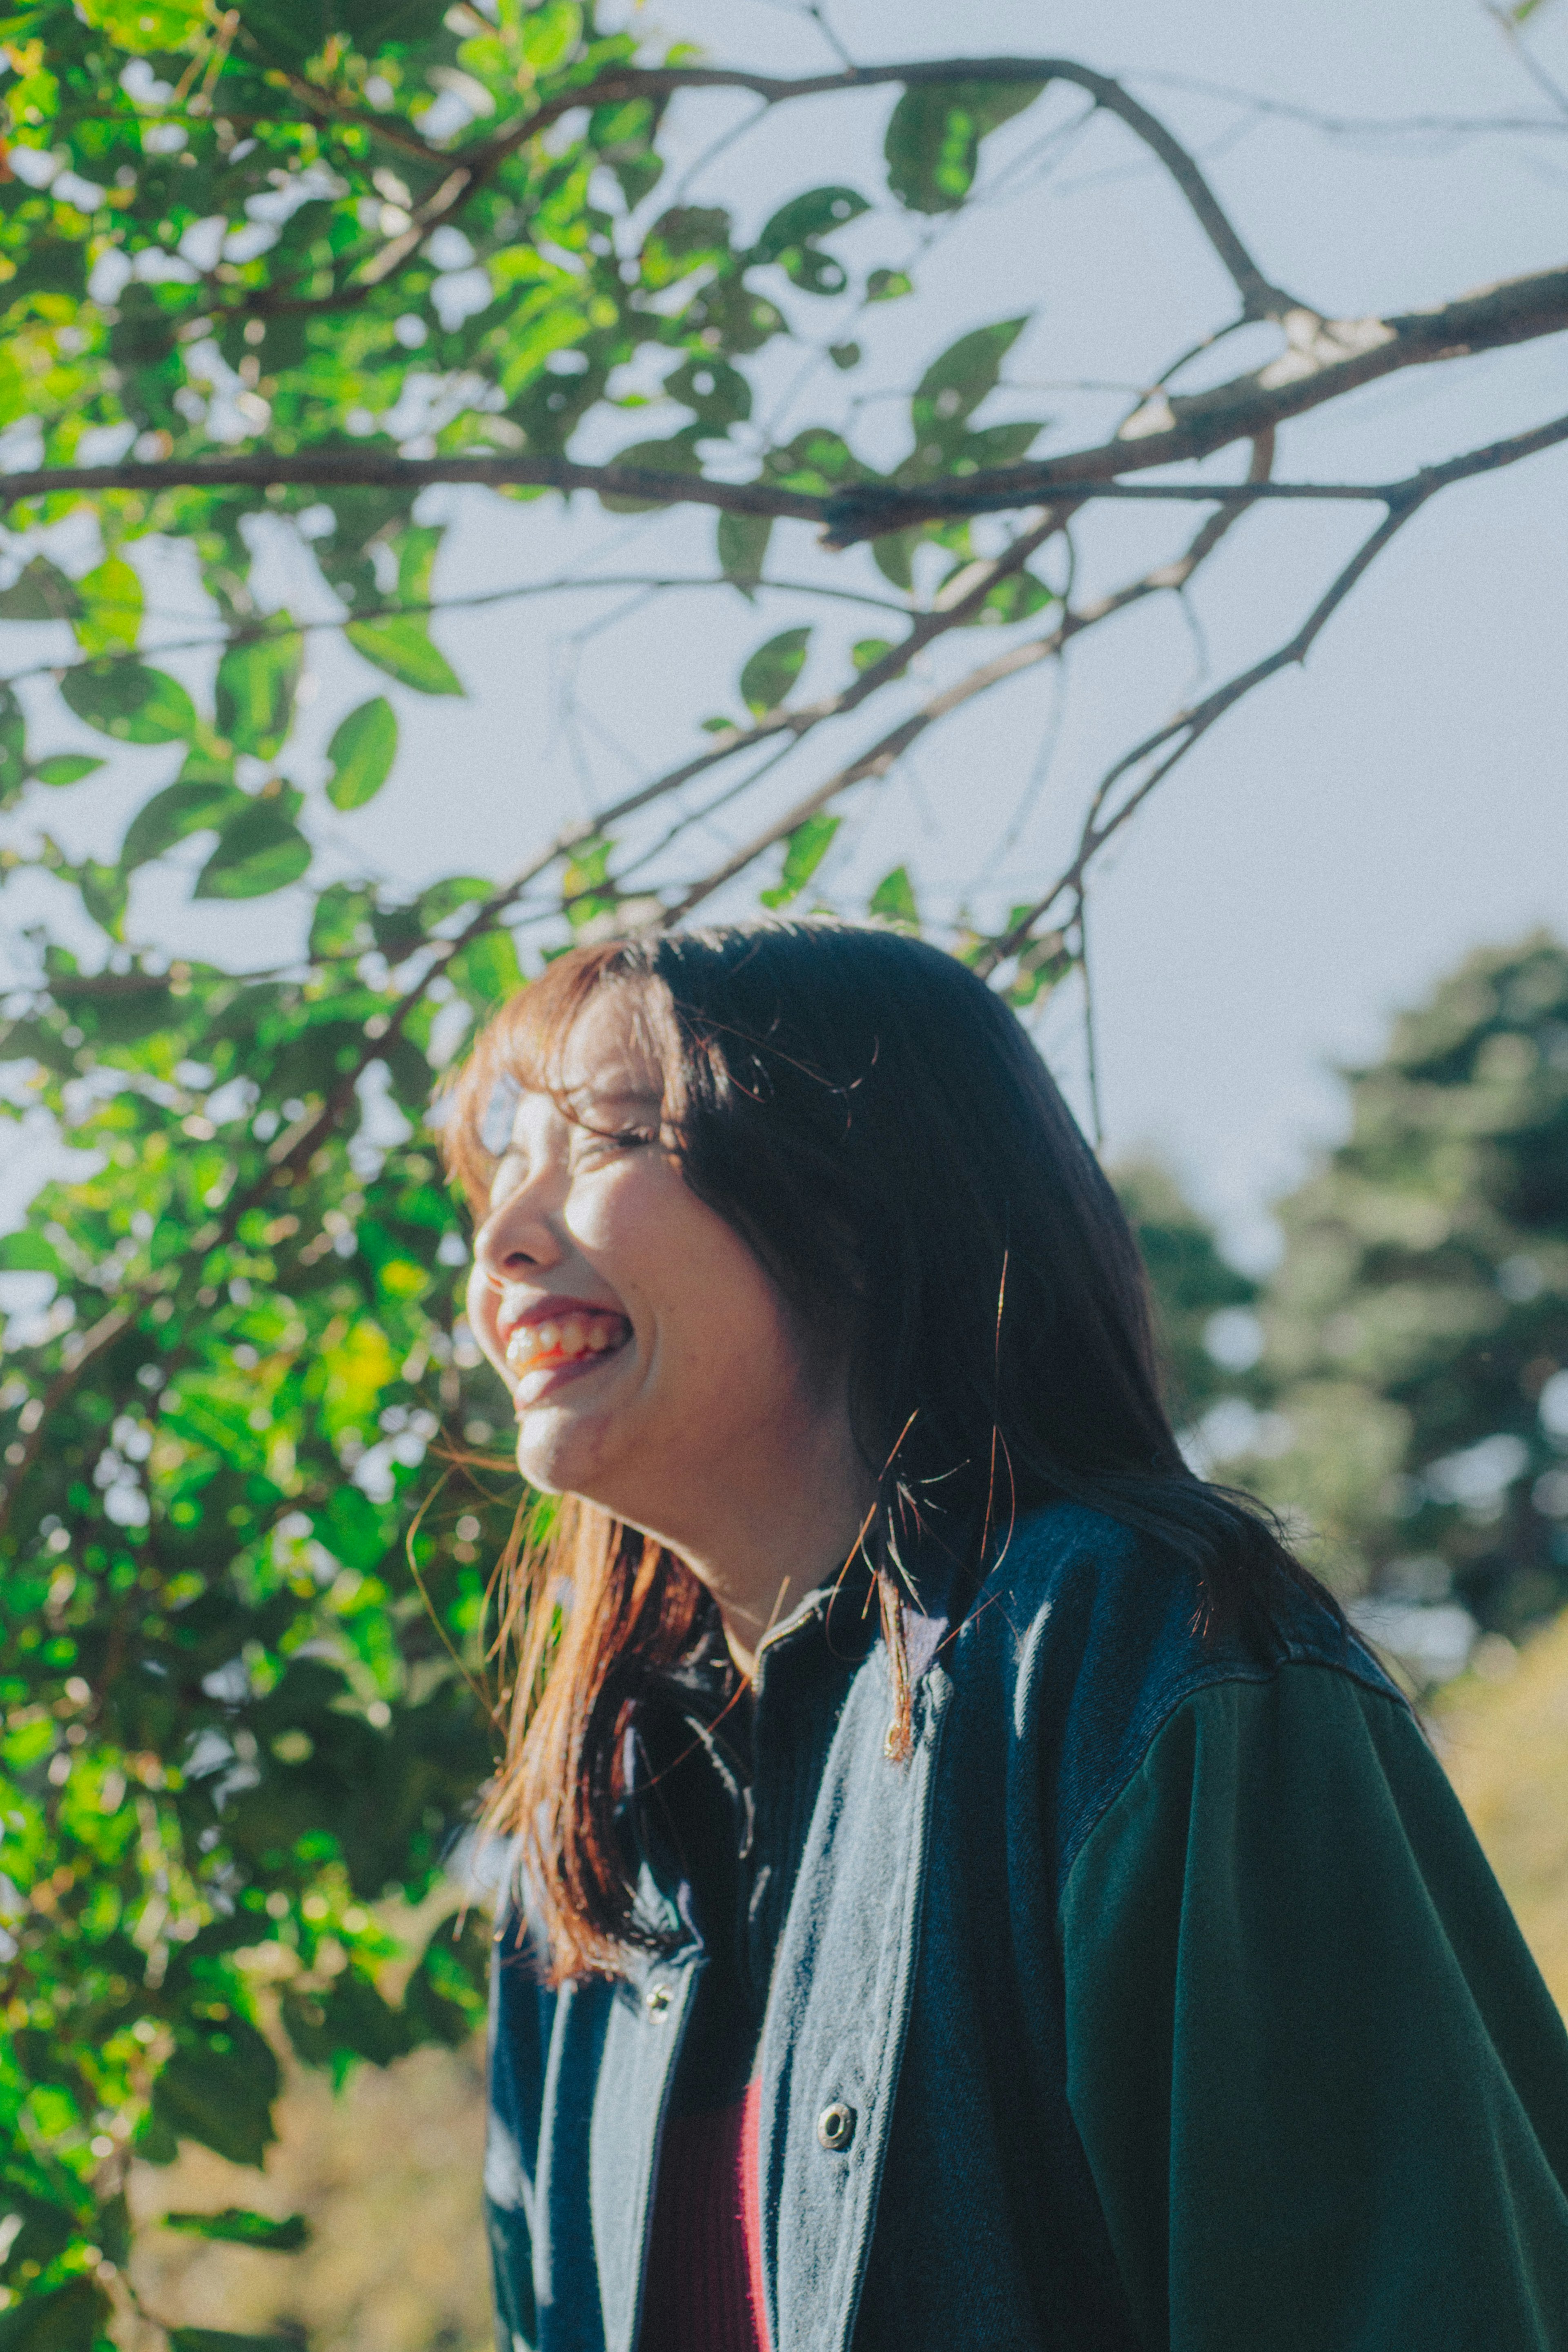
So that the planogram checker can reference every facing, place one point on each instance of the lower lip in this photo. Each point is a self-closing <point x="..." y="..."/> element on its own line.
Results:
<point x="538" y="1387"/>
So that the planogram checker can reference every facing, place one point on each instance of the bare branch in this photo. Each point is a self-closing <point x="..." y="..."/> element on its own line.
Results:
<point x="1188" y="727"/>
<point x="274" y="624"/>
<point x="1358" y="126"/>
<point x="1513" y="33"/>
<point x="800" y="721"/>
<point x="1185" y="730"/>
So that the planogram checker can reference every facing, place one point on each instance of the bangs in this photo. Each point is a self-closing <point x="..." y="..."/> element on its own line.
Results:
<point x="521" y="1050"/>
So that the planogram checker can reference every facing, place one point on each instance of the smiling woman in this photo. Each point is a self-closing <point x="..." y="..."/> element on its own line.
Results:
<point x="654" y="1365"/>
<point x="1080" y="1948"/>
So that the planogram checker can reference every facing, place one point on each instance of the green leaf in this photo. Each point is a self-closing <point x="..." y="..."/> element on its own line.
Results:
<point x="69" y="2318"/>
<point x="550" y="32"/>
<point x="129" y="701"/>
<point x="677" y="455"/>
<point x="894" y="555"/>
<point x="1041" y="963"/>
<point x="351" y="1530"/>
<point x="803" y="853"/>
<point x="178" y="810"/>
<point x="888" y="284"/>
<point x="40" y="591"/>
<point x="209" y="760"/>
<point x="341" y="912"/>
<point x="65" y="767"/>
<point x="356" y="2018"/>
<point x="236" y="2226"/>
<point x="773" y="669"/>
<point x="791" y="238"/>
<point x="402" y="646"/>
<point x="1016" y="598"/>
<point x="27" y="1253"/>
<point x="255" y="689"/>
<point x="681" y="240"/>
<point x="445" y="1997"/>
<point x="933" y="136"/>
<point x="12" y="747"/>
<point x="893" y="902"/>
<point x="261" y="849"/>
<point x="145" y="27"/>
<point x="444" y="899"/>
<point x="718" y="393"/>
<point x="416" y="562"/>
<point x="845" y="355"/>
<point x="948" y="393"/>
<point x="868" y="650"/>
<point x="105" y="893"/>
<point x="488" y="969"/>
<point x="111" y="618"/>
<point x="818" y="460"/>
<point x="743" y="547"/>
<point x="219" y="2088"/>
<point x="362" y="751"/>
<point x="816" y="214"/>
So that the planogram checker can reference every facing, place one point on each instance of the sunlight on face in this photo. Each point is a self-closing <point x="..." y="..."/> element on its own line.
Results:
<point x="651" y="1360"/>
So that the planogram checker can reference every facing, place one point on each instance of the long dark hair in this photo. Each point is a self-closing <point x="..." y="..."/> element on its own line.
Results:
<point x="876" y="1124"/>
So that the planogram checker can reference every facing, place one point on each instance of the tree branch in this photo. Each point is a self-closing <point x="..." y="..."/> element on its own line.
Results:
<point x="1327" y="359"/>
<point x="1259" y="297"/>
<point x="800" y="721"/>
<point x="1188" y="727"/>
<point x="1185" y="730"/>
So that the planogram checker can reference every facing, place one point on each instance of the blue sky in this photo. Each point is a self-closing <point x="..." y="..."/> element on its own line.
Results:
<point x="1334" y="844"/>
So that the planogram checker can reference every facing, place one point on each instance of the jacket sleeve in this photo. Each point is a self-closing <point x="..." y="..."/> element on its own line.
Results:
<point x="1321" y="2087"/>
<point x="511" y="2139"/>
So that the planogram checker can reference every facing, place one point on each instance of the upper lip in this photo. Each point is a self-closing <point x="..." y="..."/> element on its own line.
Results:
<point x="552" y="1310"/>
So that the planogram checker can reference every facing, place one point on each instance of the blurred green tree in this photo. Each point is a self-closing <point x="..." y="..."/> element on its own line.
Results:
<point x="1417" y="1324"/>
<point x="1207" y="1327"/>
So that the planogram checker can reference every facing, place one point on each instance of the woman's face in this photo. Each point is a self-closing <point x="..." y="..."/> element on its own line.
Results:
<point x="652" y="1361"/>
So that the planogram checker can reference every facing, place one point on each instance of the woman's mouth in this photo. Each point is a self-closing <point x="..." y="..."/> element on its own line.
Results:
<point x="544" y="1353"/>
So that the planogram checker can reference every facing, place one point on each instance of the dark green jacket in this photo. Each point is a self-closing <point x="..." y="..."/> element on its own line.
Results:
<point x="1163" y="1999"/>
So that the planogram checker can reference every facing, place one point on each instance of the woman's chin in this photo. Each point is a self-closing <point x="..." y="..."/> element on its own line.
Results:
<point x="559" y="1448"/>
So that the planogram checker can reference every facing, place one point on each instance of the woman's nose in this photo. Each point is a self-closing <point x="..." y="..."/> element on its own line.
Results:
<point x="516" y="1240"/>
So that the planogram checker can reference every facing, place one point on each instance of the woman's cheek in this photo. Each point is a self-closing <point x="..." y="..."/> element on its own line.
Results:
<point x="479" y="1301"/>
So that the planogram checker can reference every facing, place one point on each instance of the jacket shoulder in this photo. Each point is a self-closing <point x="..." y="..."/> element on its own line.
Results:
<point x="1097" y="1634"/>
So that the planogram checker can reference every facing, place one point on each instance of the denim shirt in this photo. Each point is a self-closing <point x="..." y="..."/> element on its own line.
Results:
<point x="1160" y="1998"/>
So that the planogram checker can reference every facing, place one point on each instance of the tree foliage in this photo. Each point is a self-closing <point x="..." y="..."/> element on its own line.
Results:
<point x="287" y="265"/>
<point x="1417" y="1324"/>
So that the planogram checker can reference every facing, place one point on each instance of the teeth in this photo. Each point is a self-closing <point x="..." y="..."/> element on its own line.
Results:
<point x="576" y="1335"/>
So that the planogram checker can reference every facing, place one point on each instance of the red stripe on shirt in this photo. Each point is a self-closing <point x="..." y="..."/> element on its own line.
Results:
<point x="704" y="2290"/>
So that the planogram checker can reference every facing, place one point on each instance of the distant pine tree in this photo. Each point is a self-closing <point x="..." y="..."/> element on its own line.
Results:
<point x="1416" y="1328"/>
<point x="1203" y="1304"/>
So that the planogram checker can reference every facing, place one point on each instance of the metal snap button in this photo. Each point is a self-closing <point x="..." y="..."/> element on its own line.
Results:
<point x="836" y="2126"/>
<point x="658" y="2000"/>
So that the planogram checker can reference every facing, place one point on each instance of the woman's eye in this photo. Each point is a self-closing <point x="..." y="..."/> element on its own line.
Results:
<point x="597" y="1145"/>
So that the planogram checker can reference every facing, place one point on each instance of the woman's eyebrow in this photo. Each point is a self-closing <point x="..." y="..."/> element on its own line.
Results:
<point x="614" y="1098"/>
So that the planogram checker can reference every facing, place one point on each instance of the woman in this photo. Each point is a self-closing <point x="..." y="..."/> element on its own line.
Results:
<point x="973" y="1887"/>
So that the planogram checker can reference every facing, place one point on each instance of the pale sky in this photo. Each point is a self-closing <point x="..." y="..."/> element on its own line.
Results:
<point x="1334" y="844"/>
